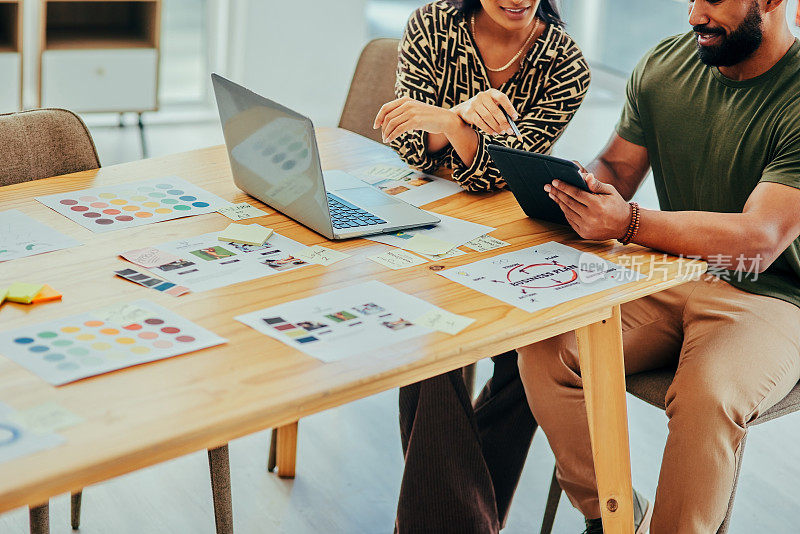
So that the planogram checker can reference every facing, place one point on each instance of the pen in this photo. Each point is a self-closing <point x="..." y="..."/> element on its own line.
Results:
<point x="513" y="126"/>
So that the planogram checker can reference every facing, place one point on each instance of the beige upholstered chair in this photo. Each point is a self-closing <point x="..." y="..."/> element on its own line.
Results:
<point x="49" y="142"/>
<point x="651" y="387"/>
<point x="372" y="86"/>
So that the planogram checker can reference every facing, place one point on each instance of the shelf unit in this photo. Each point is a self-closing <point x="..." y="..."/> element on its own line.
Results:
<point x="10" y="55"/>
<point x="100" y="55"/>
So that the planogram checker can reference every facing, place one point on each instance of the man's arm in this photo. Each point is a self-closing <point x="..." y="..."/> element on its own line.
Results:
<point x="621" y="164"/>
<point x="751" y="240"/>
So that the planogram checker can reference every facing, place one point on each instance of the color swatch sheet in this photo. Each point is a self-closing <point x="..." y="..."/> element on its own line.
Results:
<point x="207" y="263"/>
<point x="103" y="209"/>
<point x="22" y="236"/>
<point x="450" y="229"/>
<point x="354" y="320"/>
<point x="17" y="440"/>
<point x="538" y="277"/>
<point x="104" y="340"/>
<point x="407" y="184"/>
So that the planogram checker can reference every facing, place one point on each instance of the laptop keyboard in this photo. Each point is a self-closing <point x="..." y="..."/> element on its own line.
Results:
<point x="346" y="215"/>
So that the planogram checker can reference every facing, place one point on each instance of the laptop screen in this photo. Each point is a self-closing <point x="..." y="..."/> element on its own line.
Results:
<point x="273" y="154"/>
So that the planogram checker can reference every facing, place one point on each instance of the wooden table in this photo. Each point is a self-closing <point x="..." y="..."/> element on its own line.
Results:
<point x="147" y="414"/>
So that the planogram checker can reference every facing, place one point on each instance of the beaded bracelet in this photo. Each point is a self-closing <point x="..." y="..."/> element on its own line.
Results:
<point x="633" y="227"/>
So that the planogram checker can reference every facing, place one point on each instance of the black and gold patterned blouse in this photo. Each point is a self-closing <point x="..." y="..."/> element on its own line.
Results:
<point x="439" y="64"/>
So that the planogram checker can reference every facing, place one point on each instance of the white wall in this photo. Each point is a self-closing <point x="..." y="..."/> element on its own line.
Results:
<point x="301" y="54"/>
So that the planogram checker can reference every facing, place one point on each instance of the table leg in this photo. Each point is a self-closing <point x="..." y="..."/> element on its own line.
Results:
<point x="603" y="374"/>
<point x="39" y="517"/>
<point x="287" y="450"/>
<point x="219" y="466"/>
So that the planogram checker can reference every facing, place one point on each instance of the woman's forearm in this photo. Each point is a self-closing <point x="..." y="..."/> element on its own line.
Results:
<point x="436" y="142"/>
<point x="463" y="139"/>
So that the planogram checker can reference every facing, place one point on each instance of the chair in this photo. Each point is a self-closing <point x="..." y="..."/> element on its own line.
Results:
<point x="49" y="142"/>
<point x="371" y="87"/>
<point x="651" y="387"/>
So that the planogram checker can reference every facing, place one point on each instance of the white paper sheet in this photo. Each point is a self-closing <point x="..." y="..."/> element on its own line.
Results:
<point x="539" y="277"/>
<point x="84" y="345"/>
<point x="103" y="209"/>
<point x="17" y="440"/>
<point x="22" y="236"/>
<point x="207" y="263"/>
<point x="364" y="318"/>
<point x="407" y="184"/>
<point x="451" y="230"/>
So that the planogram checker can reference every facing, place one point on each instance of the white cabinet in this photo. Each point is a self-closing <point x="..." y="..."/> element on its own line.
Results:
<point x="100" y="55"/>
<point x="86" y="80"/>
<point x="11" y="84"/>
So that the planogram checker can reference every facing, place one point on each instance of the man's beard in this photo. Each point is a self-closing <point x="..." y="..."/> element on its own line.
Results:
<point x="737" y="46"/>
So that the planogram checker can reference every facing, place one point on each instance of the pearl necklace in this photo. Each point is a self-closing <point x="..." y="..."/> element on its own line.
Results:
<point x="516" y="56"/>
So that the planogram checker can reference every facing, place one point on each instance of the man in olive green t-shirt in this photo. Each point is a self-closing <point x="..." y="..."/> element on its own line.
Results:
<point x="716" y="114"/>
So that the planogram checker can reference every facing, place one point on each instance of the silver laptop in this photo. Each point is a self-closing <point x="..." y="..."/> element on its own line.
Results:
<point x="274" y="157"/>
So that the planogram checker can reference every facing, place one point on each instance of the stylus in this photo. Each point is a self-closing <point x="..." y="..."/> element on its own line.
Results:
<point x="513" y="126"/>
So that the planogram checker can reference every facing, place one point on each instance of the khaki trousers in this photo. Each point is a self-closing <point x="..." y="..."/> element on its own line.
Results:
<point x="737" y="354"/>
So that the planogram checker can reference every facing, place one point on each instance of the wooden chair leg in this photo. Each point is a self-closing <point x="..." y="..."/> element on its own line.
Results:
<point x="39" y="517"/>
<point x="550" y="509"/>
<point x="469" y="378"/>
<point x="75" y="509"/>
<point x="219" y="465"/>
<point x="272" y="459"/>
<point x="287" y="450"/>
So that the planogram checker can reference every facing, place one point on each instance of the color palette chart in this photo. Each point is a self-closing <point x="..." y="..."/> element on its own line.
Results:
<point x="103" y="209"/>
<point x="97" y="342"/>
<point x="17" y="440"/>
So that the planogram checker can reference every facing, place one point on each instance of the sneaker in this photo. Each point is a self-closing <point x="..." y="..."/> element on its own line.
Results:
<point x="642" y="513"/>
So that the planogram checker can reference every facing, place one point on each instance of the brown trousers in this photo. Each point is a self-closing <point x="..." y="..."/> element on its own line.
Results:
<point x="737" y="354"/>
<point x="463" y="462"/>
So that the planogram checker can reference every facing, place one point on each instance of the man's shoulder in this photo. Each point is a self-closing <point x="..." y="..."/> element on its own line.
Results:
<point x="671" y="53"/>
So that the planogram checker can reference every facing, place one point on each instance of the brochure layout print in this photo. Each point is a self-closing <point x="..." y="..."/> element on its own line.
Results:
<point x="207" y="263"/>
<point x="17" y="440"/>
<point x="103" y="209"/>
<point x="97" y="342"/>
<point x="364" y="318"/>
<point x="409" y="185"/>
<point x="22" y="236"/>
<point x="542" y="276"/>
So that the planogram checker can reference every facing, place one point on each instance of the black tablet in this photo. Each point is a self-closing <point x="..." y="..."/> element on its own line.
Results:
<point x="526" y="174"/>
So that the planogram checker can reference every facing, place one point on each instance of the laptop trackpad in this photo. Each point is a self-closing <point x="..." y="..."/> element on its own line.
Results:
<point x="365" y="197"/>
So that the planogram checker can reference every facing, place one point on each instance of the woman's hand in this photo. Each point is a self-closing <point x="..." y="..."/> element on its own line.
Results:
<point x="484" y="111"/>
<point x="406" y="114"/>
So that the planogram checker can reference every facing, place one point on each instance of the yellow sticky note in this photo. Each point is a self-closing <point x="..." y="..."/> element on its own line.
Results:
<point x="397" y="259"/>
<point x="22" y="292"/>
<point x="444" y="321"/>
<point x="428" y="245"/>
<point x="246" y="234"/>
<point x="321" y="255"/>
<point x="3" y="293"/>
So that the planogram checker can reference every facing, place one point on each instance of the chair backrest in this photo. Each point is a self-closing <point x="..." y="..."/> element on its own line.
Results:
<point x="42" y="143"/>
<point x="372" y="86"/>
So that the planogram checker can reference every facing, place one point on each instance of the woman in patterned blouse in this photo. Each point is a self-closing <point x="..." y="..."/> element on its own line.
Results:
<point x="459" y="63"/>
